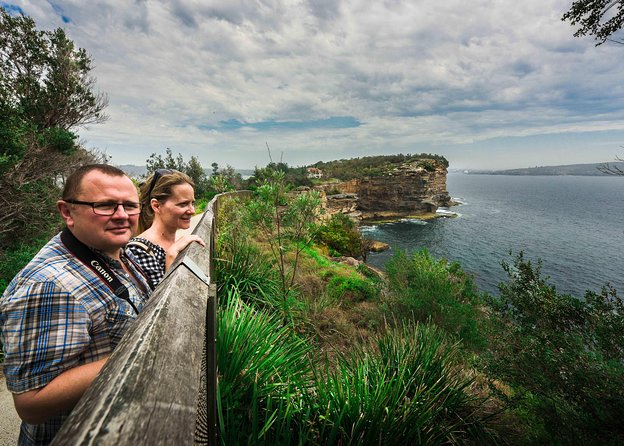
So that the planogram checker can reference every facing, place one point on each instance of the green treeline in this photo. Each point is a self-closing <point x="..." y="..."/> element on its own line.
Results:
<point x="371" y="166"/>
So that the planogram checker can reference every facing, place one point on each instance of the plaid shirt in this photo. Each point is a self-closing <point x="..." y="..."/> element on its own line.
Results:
<point x="56" y="314"/>
<point x="152" y="263"/>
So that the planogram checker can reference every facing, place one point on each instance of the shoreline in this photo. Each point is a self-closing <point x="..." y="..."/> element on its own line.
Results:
<point x="378" y="218"/>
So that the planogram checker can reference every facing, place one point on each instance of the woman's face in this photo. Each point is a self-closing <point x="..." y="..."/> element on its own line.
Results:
<point x="177" y="210"/>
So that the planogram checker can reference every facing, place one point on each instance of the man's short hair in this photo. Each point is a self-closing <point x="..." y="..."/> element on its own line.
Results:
<point x="73" y="182"/>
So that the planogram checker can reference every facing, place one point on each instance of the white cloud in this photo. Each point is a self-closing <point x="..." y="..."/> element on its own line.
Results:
<point x="418" y="75"/>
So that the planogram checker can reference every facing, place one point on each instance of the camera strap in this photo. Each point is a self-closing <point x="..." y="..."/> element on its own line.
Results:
<point x="97" y="264"/>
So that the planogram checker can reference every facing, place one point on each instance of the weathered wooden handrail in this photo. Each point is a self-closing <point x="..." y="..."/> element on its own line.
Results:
<point x="149" y="391"/>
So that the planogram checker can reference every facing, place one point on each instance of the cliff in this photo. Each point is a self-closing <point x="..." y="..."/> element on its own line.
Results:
<point x="406" y="190"/>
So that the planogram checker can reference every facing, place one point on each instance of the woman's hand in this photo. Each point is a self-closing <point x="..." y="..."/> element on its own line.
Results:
<point x="179" y="245"/>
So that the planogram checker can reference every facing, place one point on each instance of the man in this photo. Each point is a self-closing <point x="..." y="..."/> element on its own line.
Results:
<point x="65" y="312"/>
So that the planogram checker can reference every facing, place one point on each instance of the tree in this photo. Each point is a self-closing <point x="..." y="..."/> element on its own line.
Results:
<point x="46" y="93"/>
<point x="612" y="169"/>
<point x="193" y="169"/>
<point x="155" y="162"/>
<point x="563" y="357"/>
<point x="287" y="223"/>
<point x="197" y="173"/>
<point x="598" y="18"/>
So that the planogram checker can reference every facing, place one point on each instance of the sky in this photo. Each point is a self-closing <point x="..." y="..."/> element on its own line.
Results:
<point x="489" y="84"/>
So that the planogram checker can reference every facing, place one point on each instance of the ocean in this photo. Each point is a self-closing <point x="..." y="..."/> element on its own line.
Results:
<point x="575" y="224"/>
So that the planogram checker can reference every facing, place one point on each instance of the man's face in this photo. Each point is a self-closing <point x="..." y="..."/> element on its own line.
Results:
<point x="107" y="233"/>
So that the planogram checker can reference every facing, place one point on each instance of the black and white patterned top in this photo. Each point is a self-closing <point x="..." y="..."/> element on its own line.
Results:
<point x="150" y="257"/>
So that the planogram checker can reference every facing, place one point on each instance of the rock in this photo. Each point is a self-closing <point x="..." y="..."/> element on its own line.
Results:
<point x="377" y="246"/>
<point x="408" y="190"/>
<point x="348" y="261"/>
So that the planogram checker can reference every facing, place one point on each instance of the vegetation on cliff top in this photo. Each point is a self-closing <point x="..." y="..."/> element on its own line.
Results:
<point x="371" y="166"/>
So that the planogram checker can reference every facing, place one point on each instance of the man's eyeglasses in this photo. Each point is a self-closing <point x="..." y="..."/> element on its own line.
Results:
<point x="157" y="175"/>
<point x="109" y="207"/>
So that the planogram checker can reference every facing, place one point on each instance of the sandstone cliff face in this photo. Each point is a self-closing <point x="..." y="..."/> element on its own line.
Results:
<point x="405" y="191"/>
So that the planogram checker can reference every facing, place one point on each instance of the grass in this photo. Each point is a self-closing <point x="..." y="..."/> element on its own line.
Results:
<point x="404" y="387"/>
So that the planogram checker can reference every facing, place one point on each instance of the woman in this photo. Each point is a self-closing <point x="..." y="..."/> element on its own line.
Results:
<point x="167" y="204"/>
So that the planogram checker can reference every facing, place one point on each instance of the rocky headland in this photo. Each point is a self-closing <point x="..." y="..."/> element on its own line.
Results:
<point x="408" y="190"/>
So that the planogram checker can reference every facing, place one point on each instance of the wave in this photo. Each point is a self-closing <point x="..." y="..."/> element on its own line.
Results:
<point x="447" y="212"/>
<point x="413" y="221"/>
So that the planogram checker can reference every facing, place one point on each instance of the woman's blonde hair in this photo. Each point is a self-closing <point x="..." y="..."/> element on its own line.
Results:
<point x="159" y="185"/>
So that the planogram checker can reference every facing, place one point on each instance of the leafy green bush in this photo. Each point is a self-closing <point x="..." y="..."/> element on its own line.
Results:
<point x="562" y="356"/>
<point x="58" y="139"/>
<point x="200" y="205"/>
<point x="353" y="288"/>
<point x="340" y="234"/>
<point x="405" y="388"/>
<point x="13" y="260"/>
<point x="428" y="165"/>
<point x="422" y="287"/>
<point x="287" y="223"/>
<point x="243" y="267"/>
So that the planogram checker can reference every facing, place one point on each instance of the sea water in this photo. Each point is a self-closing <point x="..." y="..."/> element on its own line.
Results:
<point x="574" y="224"/>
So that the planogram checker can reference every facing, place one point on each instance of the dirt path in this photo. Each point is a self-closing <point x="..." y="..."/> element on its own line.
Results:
<point x="9" y="421"/>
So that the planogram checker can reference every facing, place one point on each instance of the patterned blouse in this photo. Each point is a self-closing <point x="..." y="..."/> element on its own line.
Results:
<point x="150" y="257"/>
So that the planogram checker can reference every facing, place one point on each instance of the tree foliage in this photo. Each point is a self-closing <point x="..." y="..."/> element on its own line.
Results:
<point x="45" y="81"/>
<point x="193" y="169"/>
<point x="598" y="18"/>
<point x="562" y="356"/>
<point x="340" y="234"/>
<point x="293" y="176"/>
<point x="372" y="166"/>
<point x="46" y="93"/>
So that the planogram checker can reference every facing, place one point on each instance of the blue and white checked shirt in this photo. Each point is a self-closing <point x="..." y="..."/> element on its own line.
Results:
<point x="57" y="314"/>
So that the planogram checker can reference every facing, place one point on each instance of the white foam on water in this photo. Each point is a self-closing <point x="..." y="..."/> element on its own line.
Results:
<point x="369" y="228"/>
<point x="447" y="212"/>
<point x="413" y="221"/>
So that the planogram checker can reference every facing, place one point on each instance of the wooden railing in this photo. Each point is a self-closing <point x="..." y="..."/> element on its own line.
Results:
<point x="159" y="385"/>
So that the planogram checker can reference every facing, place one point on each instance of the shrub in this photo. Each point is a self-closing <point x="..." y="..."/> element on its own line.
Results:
<point x="200" y="205"/>
<point x="340" y="234"/>
<point x="352" y="288"/>
<point x="562" y="356"/>
<point x="422" y="287"/>
<point x="243" y="267"/>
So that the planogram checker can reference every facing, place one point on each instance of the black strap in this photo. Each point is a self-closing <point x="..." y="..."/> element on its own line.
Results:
<point x="97" y="264"/>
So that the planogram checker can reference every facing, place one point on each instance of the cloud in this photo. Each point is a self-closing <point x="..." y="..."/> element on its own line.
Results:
<point x="346" y="77"/>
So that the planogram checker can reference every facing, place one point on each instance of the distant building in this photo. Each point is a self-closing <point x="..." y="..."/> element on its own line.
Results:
<point x="313" y="172"/>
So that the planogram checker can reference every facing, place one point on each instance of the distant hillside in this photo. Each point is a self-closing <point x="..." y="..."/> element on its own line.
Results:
<point x="133" y="171"/>
<point x="570" y="169"/>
